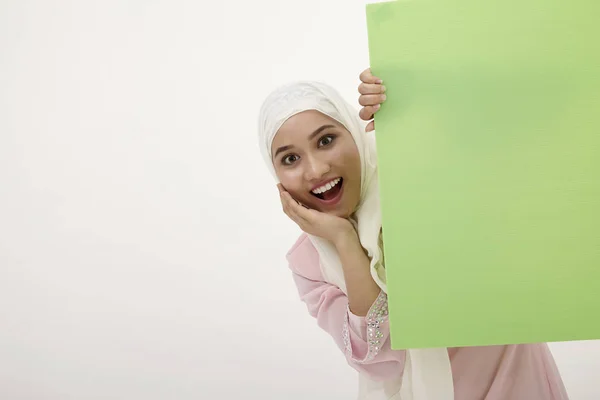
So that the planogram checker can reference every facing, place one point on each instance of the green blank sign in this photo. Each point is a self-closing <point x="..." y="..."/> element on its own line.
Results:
<point x="489" y="159"/>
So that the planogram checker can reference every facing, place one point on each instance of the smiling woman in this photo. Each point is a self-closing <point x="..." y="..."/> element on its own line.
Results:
<point x="317" y="162"/>
<point x="317" y="148"/>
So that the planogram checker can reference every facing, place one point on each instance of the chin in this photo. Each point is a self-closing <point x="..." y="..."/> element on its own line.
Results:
<point x="342" y="213"/>
<point x="341" y="210"/>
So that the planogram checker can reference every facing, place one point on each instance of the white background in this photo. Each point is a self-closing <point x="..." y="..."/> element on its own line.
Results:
<point x="141" y="239"/>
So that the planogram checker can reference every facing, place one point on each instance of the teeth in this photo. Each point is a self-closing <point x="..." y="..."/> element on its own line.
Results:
<point x="327" y="186"/>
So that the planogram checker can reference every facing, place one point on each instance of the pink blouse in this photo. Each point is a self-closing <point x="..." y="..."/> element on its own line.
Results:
<point x="513" y="372"/>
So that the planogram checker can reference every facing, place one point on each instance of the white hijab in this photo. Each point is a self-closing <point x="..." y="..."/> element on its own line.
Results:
<point x="427" y="374"/>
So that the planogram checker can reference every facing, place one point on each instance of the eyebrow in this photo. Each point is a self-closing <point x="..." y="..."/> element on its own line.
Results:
<point x="311" y="137"/>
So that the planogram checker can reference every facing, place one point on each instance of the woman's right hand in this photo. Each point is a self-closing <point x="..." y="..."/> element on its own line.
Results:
<point x="327" y="226"/>
<point x="372" y="94"/>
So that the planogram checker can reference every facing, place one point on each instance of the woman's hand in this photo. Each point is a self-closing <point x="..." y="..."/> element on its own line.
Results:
<point x="371" y="91"/>
<point x="361" y="288"/>
<point x="330" y="227"/>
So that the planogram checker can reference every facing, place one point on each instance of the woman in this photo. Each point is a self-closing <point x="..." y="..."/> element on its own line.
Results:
<point x="317" y="148"/>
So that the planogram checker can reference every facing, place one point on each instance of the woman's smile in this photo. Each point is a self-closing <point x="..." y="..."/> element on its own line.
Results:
<point x="330" y="192"/>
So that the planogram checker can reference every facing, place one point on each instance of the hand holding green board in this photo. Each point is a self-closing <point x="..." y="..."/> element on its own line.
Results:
<point x="489" y="165"/>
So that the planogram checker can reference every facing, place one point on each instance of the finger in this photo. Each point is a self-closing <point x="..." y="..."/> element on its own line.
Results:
<point x="367" y="77"/>
<point x="291" y="214"/>
<point x="284" y="197"/>
<point x="302" y="212"/>
<point x="304" y="216"/>
<point x="284" y="205"/>
<point x="367" y="113"/>
<point x="370" y="126"/>
<point x="292" y="208"/>
<point x="371" y="99"/>
<point x="369" y="88"/>
<point x="297" y="208"/>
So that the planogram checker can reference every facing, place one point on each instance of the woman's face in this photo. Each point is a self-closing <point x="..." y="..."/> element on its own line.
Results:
<point x="317" y="162"/>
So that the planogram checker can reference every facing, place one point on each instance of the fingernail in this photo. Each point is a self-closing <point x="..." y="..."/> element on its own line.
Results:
<point x="384" y="97"/>
<point x="379" y="81"/>
<point x="383" y="89"/>
<point x="377" y="106"/>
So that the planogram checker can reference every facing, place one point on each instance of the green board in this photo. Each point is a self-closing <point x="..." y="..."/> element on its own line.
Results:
<point x="489" y="163"/>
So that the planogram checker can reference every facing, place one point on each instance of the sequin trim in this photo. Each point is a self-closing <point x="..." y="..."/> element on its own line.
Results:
<point x="375" y="317"/>
<point x="346" y="336"/>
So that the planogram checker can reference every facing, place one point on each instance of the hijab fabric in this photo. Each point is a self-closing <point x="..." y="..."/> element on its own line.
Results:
<point x="427" y="374"/>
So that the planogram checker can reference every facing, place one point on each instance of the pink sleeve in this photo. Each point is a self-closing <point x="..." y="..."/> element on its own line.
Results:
<point x="364" y="340"/>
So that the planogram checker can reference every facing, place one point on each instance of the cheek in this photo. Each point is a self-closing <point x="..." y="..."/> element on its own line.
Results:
<point x="353" y="170"/>
<point x="291" y="180"/>
<point x="351" y="163"/>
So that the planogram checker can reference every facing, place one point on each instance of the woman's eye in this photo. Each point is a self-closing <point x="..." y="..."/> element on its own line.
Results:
<point x="288" y="160"/>
<point x="325" y="140"/>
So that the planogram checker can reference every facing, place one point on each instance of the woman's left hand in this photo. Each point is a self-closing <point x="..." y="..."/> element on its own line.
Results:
<point x="329" y="227"/>
<point x="372" y="95"/>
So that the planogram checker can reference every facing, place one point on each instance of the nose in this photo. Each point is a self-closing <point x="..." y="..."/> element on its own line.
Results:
<point x="316" y="169"/>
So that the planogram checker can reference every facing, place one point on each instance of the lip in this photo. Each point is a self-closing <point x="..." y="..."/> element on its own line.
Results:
<point x="318" y="185"/>
<point x="335" y="200"/>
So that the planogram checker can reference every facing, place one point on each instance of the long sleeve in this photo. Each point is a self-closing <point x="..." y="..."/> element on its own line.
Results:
<point x="364" y="340"/>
